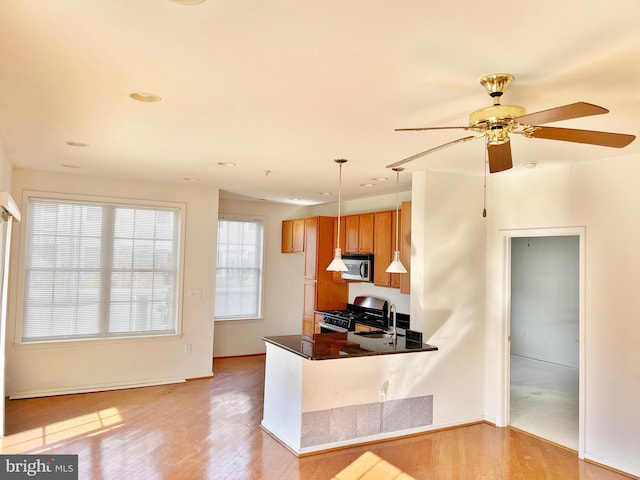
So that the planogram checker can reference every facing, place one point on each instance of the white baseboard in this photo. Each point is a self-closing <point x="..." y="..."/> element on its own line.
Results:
<point x="91" y="388"/>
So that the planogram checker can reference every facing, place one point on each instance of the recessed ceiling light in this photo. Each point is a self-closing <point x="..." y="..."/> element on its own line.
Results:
<point x="367" y="185"/>
<point x="68" y="165"/>
<point x="191" y="179"/>
<point x="226" y="164"/>
<point x="325" y="193"/>
<point x="189" y="2"/>
<point x="145" y="97"/>
<point x="530" y="164"/>
<point x="71" y="143"/>
<point x="380" y="179"/>
<point x="295" y="199"/>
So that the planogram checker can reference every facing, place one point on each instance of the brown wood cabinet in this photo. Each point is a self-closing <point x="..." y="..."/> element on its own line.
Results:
<point x="337" y="276"/>
<point x="365" y="328"/>
<point x="320" y="291"/>
<point x="359" y="233"/>
<point x="384" y="246"/>
<point x="292" y="236"/>
<point x="405" y="247"/>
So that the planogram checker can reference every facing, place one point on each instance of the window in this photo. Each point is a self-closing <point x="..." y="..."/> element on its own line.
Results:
<point x="99" y="270"/>
<point x="239" y="270"/>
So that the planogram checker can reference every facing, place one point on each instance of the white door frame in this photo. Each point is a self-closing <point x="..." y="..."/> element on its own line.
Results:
<point x="507" y="235"/>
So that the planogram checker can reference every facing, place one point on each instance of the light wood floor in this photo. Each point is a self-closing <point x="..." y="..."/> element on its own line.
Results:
<point x="209" y="429"/>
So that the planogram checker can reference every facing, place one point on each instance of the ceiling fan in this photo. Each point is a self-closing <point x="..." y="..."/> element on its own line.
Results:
<point x="495" y="123"/>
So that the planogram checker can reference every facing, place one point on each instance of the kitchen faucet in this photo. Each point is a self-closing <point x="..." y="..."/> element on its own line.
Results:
<point x="393" y="331"/>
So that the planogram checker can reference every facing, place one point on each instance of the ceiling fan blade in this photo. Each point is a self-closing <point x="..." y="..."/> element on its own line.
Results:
<point x="431" y="150"/>
<point x="566" y="112"/>
<point x="429" y="128"/>
<point x="499" y="157"/>
<point x="605" y="139"/>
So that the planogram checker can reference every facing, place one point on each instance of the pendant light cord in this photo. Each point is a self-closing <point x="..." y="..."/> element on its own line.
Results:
<point x="397" y="198"/>
<point x="486" y="161"/>
<point x="339" y="161"/>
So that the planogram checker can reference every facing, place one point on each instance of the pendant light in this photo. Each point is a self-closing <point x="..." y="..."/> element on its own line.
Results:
<point x="396" y="265"/>
<point x="337" y="265"/>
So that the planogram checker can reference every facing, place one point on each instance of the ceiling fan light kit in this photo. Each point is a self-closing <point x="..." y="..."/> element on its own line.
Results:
<point x="497" y="122"/>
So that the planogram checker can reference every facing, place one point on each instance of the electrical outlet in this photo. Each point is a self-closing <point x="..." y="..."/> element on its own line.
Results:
<point x="523" y="333"/>
<point x="187" y="348"/>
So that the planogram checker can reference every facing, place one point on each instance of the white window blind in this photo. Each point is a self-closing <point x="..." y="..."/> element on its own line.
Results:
<point x="239" y="269"/>
<point x="97" y="270"/>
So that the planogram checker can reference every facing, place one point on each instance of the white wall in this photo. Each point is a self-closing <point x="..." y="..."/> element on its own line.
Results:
<point x="283" y="293"/>
<point x="447" y="290"/>
<point x="85" y="365"/>
<point x="603" y="196"/>
<point x="545" y="287"/>
<point x="5" y="170"/>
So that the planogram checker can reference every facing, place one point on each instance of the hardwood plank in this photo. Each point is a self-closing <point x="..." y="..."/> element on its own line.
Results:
<point x="209" y="429"/>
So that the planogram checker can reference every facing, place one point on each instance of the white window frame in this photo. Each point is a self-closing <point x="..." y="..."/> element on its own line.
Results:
<point x="120" y="201"/>
<point x="246" y="218"/>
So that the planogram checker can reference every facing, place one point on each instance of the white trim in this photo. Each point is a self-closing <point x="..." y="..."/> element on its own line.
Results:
<point x="504" y="404"/>
<point x="246" y="218"/>
<point x="93" y="388"/>
<point x="123" y="201"/>
<point x="396" y="434"/>
<point x="8" y="205"/>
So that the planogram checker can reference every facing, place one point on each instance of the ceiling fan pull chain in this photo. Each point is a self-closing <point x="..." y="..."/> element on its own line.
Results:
<point x="484" y="199"/>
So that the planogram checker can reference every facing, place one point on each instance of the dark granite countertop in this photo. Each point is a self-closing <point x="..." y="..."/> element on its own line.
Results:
<point x="327" y="346"/>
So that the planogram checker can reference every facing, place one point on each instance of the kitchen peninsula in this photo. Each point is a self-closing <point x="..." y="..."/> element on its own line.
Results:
<point x="329" y="390"/>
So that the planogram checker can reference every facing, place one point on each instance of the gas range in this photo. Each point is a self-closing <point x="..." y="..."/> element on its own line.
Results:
<point x="370" y="311"/>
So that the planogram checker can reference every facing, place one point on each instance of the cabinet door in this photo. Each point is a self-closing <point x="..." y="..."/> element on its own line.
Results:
<point x="365" y="328"/>
<point x="383" y="247"/>
<point x="298" y="235"/>
<point x="338" y="242"/>
<point x="405" y="247"/>
<point x="396" y="278"/>
<point x="287" y="236"/>
<point x="310" y="248"/>
<point x="307" y="327"/>
<point x="365" y="232"/>
<point x="351" y="223"/>
<point x="309" y="305"/>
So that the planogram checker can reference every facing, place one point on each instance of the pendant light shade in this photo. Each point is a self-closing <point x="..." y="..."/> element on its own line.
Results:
<point x="337" y="264"/>
<point x="396" y="265"/>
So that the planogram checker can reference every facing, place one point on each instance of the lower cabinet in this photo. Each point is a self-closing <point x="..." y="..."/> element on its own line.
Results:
<point x="308" y="308"/>
<point x="365" y="328"/>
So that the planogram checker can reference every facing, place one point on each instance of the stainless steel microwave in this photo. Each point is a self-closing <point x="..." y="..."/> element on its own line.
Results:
<point x="360" y="267"/>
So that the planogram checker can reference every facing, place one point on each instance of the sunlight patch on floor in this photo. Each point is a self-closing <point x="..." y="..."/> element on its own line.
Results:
<point x="370" y="466"/>
<point x="83" y="425"/>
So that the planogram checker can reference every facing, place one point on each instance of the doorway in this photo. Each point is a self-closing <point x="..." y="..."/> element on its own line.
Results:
<point x="544" y="369"/>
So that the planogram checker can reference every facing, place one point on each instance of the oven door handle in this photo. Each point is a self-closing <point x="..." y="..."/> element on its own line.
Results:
<point x="335" y="328"/>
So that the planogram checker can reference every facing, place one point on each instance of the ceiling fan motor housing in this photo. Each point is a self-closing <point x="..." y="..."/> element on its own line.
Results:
<point x="496" y="121"/>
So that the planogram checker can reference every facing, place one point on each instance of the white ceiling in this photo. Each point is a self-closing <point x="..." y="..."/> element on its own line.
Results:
<point x="288" y="86"/>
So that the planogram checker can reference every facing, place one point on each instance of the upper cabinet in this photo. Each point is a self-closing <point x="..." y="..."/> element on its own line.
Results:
<point x="359" y="233"/>
<point x="384" y="245"/>
<point x="372" y="233"/>
<point x="405" y="247"/>
<point x="292" y="236"/>
<point x="311" y="235"/>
